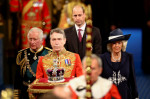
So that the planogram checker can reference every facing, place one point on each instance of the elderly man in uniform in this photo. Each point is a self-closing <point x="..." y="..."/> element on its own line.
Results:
<point x="101" y="88"/>
<point x="71" y="62"/>
<point x="27" y="60"/>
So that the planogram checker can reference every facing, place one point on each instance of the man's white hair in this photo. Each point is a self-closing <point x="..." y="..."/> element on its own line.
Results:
<point x="94" y="56"/>
<point x="40" y="31"/>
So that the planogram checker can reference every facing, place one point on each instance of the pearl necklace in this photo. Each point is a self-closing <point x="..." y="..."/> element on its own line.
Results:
<point x="116" y="60"/>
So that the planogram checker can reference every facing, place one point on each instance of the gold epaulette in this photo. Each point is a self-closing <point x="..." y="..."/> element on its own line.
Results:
<point x="22" y="50"/>
<point x="19" y="60"/>
<point x="48" y="49"/>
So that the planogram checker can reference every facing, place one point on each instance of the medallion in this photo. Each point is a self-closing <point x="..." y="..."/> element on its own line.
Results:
<point x="35" y="58"/>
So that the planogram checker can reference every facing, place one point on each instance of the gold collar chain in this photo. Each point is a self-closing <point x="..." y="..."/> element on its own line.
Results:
<point x="39" y="50"/>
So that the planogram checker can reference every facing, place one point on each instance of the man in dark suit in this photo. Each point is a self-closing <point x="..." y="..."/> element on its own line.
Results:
<point x="77" y="31"/>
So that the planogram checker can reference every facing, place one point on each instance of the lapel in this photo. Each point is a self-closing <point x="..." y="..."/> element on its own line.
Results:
<point x="108" y="58"/>
<point x="74" y="38"/>
<point x="123" y="59"/>
<point x="84" y="40"/>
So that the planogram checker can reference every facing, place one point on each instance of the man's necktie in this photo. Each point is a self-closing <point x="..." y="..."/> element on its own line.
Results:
<point x="79" y="35"/>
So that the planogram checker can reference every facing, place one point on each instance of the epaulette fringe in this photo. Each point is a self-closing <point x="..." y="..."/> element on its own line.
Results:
<point x="48" y="49"/>
<point x="22" y="50"/>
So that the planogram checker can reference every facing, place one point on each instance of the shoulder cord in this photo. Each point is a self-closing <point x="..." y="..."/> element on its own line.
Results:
<point x="28" y="65"/>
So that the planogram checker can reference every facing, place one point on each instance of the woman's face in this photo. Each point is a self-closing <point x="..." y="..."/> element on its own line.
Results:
<point x="117" y="46"/>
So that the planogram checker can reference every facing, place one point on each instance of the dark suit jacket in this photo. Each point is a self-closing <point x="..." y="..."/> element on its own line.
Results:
<point x="72" y="41"/>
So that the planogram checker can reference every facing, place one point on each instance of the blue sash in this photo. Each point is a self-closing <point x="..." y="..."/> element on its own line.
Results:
<point x="34" y="65"/>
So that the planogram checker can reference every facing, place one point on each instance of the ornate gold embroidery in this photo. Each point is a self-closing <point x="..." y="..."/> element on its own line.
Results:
<point x="36" y="83"/>
<point x="48" y="61"/>
<point x="20" y="61"/>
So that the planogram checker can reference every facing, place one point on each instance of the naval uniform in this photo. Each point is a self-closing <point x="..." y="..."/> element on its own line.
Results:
<point x="26" y="62"/>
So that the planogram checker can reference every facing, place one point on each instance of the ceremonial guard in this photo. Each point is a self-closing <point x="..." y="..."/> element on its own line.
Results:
<point x="33" y="13"/>
<point x="71" y="62"/>
<point x="27" y="60"/>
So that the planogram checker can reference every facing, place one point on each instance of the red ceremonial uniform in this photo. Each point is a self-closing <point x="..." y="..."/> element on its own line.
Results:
<point x="34" y="13"/>
<point x="101" y="89"/>
<point x="71" y="62"/>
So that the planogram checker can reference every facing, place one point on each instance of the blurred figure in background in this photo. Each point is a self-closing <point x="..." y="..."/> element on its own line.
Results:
<point x="30" y="13"/>
<point x="59" y="92"/>
<point x="101" y="88"/>
<point x="48" y="95"/>
<point x="66" y="20"/>
<point x="62" y="91"/>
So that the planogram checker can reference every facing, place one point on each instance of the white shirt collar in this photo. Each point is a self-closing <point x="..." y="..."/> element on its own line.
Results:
<point x="82" y="28"/>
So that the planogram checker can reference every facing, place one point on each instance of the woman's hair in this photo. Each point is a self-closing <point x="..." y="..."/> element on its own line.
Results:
<point x="124" y="45"/>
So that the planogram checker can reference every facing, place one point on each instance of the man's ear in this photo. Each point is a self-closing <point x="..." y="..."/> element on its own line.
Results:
<point x="100" y="70"/>
<point x="42" y="41"/>
<point x="64" y="41"/>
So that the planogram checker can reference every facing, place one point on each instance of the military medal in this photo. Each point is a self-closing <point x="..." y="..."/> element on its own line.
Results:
<point x="68" y="62"/>
<point x="35" y="58"/>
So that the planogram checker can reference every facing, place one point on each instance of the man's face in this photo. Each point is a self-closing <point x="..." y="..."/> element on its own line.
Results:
<point x="95" y="70"/>
<point x="57" y="41"/>
<point x="78" y="16"/>
<point x="34" y="40"/>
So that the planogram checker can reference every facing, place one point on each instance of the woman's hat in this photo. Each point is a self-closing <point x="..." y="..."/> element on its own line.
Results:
<point x="117" y="35"/>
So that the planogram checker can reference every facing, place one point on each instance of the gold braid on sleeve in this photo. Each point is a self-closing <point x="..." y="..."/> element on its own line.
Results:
<point x="21" y="62"/>
<point x="27" y="65"/>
